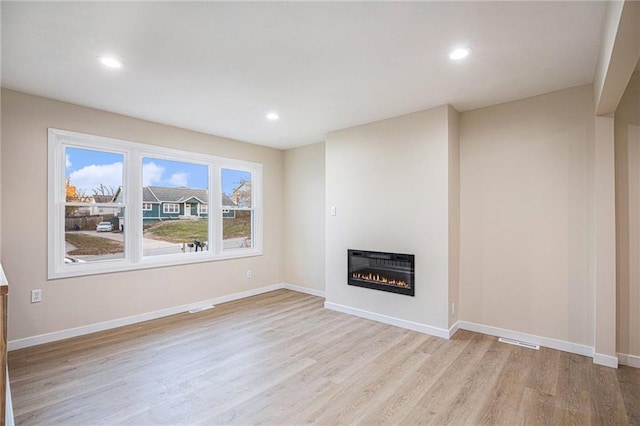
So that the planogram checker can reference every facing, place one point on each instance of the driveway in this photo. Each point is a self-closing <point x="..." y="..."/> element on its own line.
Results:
<point x="116" y="236"/>
<point x="148" y="243"/>
<point x="150" y="247"/>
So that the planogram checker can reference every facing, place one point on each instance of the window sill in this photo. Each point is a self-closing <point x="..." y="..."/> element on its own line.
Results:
<point x="163" y="261"/>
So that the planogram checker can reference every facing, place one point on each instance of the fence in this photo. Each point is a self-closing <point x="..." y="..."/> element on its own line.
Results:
<point x="88" y="223"/>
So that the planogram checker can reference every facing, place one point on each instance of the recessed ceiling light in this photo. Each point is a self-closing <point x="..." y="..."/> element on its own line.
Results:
<point x="459" y="53"/>
<point x="111" y="62"/>
<point x="273" y="116"/>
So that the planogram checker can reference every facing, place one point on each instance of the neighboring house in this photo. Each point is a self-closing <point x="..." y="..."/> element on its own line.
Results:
<point x="162" y="203"/>
<point x="102" y="210"/>
<point x="72" y="195"/>
<point x="241" y="196"/>
<point x="94" y="210"/>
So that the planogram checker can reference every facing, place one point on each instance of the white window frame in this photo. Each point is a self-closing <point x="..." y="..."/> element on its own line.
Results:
<point x="133" y="153"/>
<point x="203" y="208"/>
<point x="175" y="208"/>
<point x="147" y="207"/>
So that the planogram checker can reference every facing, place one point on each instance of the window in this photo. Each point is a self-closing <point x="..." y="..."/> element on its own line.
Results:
<point x="237" y="211"/>
<point x="93" y="181"/>
<point x="181" y="186"/>
<point x="86" y="236"/>
<point x="171" y="208"/>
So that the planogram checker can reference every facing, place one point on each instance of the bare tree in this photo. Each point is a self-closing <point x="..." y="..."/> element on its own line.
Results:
<point x="76" y="196"/>
<point x="104" y="190"/>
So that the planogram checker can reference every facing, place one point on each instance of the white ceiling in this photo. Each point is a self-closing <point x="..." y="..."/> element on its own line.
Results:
<point x="219" y="68"/>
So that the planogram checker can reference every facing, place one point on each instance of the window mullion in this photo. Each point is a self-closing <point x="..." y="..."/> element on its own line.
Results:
<point x="133" y="215"/>
<point x="215" y="211"/>
<point x="257" y="208"/>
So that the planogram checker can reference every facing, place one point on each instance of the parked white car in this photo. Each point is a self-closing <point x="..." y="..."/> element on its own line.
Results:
<point x="104" y="227"/>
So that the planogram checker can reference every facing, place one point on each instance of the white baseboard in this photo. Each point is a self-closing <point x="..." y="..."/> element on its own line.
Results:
<point x="301" y="289"/>
<point x="422" y="328"/>
<point x="606" y="360"/>
<point x="452" y="330"/>
<point x="106" y="325"/>
<point x="560" y="345"/>
<point x="629" y="360"/>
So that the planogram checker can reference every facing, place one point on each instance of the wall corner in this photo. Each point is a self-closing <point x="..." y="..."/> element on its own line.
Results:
<point x="604" y="241"/>
<point x="453" y="141"/>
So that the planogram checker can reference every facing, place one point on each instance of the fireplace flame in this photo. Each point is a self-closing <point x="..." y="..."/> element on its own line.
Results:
<point x="377" y="278"/>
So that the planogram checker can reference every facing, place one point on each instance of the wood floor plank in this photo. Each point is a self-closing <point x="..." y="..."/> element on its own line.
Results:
<point x="425" y="375"/>
<point x="606" y="398"/>
<point x="472" y="395"/>
<point x="506" y="394"/>
<point x="281" y="358"/>
<point x="442" y="394"/>
<point x="535" y="408"/>
<point x="362" y="390"/>
<point x="629" y="380"/>
<point x="573" y="402"/>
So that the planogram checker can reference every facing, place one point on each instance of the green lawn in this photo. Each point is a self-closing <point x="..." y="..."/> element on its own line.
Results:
<point x="181" y="231"/>
<point x="240" y="226"/>
<point x="178" y="231"/>
<point x="92" y="246"/>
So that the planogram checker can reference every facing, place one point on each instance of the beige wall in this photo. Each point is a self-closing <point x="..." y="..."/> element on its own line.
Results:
<point x="81" y="301"/>
<point x="526" y="220"/>
<point x="389" y="182"/>
<point x="627" y="158"/>
<point x="304" y="216"/>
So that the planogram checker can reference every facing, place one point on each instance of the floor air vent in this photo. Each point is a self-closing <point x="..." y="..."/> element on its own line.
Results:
<point x="519" y="343"/>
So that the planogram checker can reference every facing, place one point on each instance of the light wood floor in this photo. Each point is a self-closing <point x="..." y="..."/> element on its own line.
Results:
<point x="280" y="358"/>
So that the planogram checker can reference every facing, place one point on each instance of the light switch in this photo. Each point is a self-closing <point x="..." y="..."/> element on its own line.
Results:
<point x="333" y="210"/>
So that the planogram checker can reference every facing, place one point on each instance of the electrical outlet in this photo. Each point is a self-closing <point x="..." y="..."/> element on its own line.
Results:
<point x="453" y="309"/>
<point x="248" y="274"/>
<point x="36" y="296"/>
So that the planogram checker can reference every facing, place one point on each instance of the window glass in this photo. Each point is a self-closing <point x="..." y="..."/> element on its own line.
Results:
<point x="178" y="221"/>
<point x="237" y="214"/>
<point x="92" y="229"/>
<point x="236" y="188"/>
<point x="171" y="208"/>
<point x="237" y="229"/>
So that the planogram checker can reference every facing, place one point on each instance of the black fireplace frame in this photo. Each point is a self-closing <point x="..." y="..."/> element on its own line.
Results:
<point x="390" y="259"/>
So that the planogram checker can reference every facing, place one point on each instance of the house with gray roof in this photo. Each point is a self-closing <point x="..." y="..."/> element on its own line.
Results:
<point x="163" y="203"/>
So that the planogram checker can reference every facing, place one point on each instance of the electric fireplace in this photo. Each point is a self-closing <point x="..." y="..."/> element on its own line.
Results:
<point x="393" y="272"/>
